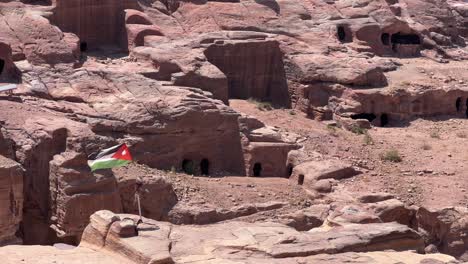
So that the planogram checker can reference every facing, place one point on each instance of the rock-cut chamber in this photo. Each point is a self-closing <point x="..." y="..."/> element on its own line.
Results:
<point x="254" y="70"/>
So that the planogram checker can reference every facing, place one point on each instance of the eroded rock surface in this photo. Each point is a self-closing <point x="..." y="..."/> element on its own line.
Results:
<point x="11" y="206"/>
<point x="158" y="75"/>
<point x="231" y="242"/>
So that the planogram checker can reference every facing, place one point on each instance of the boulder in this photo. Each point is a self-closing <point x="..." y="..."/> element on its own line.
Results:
<point x="323" y="186"/>
<point x="124" y="228"/>
<point x="374" y="197"/>
<point x="445" y="228"/>
<point x="351" y="214"/>
<point x="310" y="172"/>
<point x="394" y="210"/>
<point x="94" y="235"/>
<point x="306" y="219"/>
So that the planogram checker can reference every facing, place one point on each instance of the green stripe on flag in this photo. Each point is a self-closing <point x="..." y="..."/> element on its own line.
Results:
<point x="107" y="163"/>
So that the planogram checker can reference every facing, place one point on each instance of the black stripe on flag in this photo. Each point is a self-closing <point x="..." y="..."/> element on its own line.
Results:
<point x="105" y="152"/>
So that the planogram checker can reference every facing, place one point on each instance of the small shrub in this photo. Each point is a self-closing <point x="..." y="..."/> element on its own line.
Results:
<point x="332" y="130"/>
<point x="391" y="155"/>
<point x="265" y="106"/>
<point x="262" y="106"/>
<point x="358" y="130"/>
<point x="368" y="140"/>
<point x="461" y="135"/>
<point x="435" y="134"/>
<point x="426" y="147"/>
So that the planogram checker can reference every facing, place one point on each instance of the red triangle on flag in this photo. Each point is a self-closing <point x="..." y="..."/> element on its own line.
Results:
<point x="123" y="153"/>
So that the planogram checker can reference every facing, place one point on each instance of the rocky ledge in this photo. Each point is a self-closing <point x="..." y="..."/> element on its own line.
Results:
<point x="122" y="238"/>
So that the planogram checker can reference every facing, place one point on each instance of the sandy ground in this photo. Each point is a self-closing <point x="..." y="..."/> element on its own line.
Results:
<point x="434" y="167"/>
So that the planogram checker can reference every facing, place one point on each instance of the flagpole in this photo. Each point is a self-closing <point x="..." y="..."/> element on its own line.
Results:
<point x="139" y="206"/>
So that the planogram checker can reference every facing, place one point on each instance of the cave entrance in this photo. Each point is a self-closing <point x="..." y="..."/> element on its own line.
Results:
<point x="83" y="46"/>
<point x="341" y="33"/>
<point x="368" y="116"/>
<point x="466" y="112"/>
<point x="458" y="104"/>
<point x="257" y="169"/>
<point x="300" y="179"/>
<point x="408" y="39"/>
<point x="290" y="168"/>
<point x="384" y="120"/>
<point x="2" y="66"/>
<point x="205" y="167"/>
<point x="187" y="166"/>
<point x="253" y="70"/>
<point x="385" y="38"/>
<point x="344" y="33"/>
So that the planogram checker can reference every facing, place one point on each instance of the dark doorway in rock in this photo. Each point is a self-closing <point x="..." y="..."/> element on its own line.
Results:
<point x="205" y="167"/>
<point x="466" y="112"/>
<point x="83" y="46"/>
<point x="187" y="166"/>
<point x="290" y="168"/>
<point x="369" y="117"/>
<point x="458" y="104"/>
<point x="341" y="33"/>
<point x="384" y="120"/>
<point x="257" y="169"/>
<point x="300" y="179"/>
<point x="411" y="39"/>
<point x="2" y="66"/>
<point x="385" y="38"/>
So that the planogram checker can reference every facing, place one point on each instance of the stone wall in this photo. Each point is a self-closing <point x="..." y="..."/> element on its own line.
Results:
<point x="95" y="22"/>
<point x="405" y="105"/>
<point x="11" y="200"/>
<point x="267" y="159"/>
<point x="254" y="69"/>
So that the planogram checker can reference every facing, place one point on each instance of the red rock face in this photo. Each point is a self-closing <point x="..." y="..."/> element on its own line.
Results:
<point x="8" y="71"/>
<point x="254" y="69"/>
<point x="70" y="202"/>
<point x="137" y="26"/>
<point x="37" y="203"/>
<point x="168" y="99"/>
<point x="95" y="23"/>
<point x="11" y="200"/>
<point x="25" y="33"/>
<point x="401" y="106"/>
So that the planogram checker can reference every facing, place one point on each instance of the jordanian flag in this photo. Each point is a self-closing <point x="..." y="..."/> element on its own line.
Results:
<point x="112" y="157"/>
